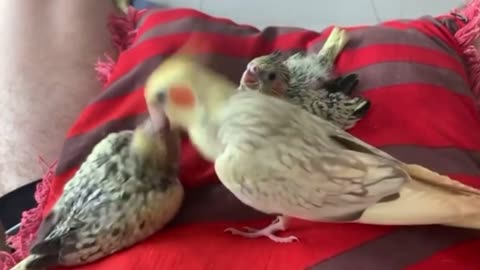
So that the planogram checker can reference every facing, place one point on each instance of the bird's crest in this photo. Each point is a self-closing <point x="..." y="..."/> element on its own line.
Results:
<point x="187" y="55"/>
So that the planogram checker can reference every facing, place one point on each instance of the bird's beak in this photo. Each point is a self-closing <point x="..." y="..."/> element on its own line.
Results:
<point x="158" y="118"/>
<point x="155" y="106"/>
<point x="250" y="79"/>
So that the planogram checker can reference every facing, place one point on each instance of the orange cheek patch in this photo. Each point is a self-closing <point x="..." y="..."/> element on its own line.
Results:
<point x="182" y="96"/>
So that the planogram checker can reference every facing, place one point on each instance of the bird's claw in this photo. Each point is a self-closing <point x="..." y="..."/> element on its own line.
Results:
<point x="234" y="231"/>
<point x="286" y="239"/>
<point x="280" y="223"/>
<point x="250" y="229"/>
<point x="275" y="221"/>
<point x="237" y="231"/>
<point x="255" y="233"/>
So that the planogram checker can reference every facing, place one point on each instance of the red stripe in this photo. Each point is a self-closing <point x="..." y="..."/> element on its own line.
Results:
<point x="229" y="45"/>
<point x="390" y="118"/>
<point x="415" y="114"/>
<point x="353" y="59"/>
<point x="251" y="46"/>
<point x="471" y="180"/>
<point x="163" y="17"/>
<point x="463" y="256"/>
<point x="323" y="35"/>
<point x="104" y="111"/>
<point x="167" y="16"/>
<point x="204" y="245"/>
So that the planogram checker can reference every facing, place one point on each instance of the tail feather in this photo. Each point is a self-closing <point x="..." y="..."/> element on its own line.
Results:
<point x="344" y="84"/>
<point x="429" y="198"/>
<point x="23" y="264"/>
<point x="348" y="83"/>
<point x="425" y="175"/>
<point x="362" y="108"/>
<point x="36" y="262"/>
<point x="472" y="222"/>
<point x="424" y="204"/>
<point x="41" y="262"/>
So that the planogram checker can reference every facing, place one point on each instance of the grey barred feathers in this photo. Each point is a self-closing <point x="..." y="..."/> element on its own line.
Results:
<point x="126" y="190"/>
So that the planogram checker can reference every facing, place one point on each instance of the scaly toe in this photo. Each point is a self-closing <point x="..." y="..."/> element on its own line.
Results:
<point x="232" y="230"/>
<point x="250" y="229"/>
<point x="283" y="240"/>
<point x="250" y="233"/>
<point x="247" y="229"/>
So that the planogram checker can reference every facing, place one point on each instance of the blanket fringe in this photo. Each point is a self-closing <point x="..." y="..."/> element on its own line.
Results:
<point x="123" y="29"/>
<point x="104" y="68"/>
<point x="466" y="37"/>
<point x="30" y="222"/>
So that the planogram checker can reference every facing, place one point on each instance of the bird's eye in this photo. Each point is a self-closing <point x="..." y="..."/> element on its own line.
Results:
<point x="161" y="96"/>
<point x="272" y="76"/>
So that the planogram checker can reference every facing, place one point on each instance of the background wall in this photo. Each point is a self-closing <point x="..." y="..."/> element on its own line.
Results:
<point x="315" y="14"/>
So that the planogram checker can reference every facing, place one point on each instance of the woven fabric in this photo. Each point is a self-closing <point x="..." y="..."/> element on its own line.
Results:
<point x="422" y="112"/>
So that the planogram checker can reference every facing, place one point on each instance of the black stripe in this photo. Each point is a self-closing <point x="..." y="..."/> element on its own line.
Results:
<point x="399" y="249"/>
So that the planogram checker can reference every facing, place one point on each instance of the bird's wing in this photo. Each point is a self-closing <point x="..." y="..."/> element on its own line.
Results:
<point x="416" y="172"/>
<point x="82" y="194"/>
<point x="292" y="179"/>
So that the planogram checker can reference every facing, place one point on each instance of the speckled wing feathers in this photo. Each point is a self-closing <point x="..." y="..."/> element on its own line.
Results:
<point x="117" y="198"/>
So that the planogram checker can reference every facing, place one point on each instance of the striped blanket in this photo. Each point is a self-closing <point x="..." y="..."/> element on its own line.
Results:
<point x="422" y="112"/>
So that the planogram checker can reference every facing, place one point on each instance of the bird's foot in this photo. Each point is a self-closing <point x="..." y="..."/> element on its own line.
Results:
<point x="279" y="224"/>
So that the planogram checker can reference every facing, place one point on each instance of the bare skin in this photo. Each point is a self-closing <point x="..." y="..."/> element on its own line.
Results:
<point x="48" y="52"/>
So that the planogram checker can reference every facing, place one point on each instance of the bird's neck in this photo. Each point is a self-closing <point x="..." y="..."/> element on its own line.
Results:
<point x="220" y="94"/>
<point x="144" y="145"/>
<point x="206" y="141"/>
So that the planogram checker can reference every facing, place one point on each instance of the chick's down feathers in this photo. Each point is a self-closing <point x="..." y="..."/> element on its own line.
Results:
<point x="307" y="80"/>
<point x="126" y="190"/>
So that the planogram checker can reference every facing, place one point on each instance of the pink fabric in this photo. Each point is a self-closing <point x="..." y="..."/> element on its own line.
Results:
<point x="466" y="37"/>
<point x="30" y="221"/>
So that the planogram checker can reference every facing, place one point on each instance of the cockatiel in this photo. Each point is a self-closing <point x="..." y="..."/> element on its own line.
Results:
<point x="282" y="160"/>
<point x="126" y="190"/>
<point x="307" y="80"/>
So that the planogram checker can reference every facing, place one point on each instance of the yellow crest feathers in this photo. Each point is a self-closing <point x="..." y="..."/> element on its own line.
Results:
<point x="184" y="59"/>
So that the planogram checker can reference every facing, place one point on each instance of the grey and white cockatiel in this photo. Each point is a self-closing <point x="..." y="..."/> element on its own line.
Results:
<point x="126" y="190"/>
<point x="282" y="160"/>
<point x="307" y="80"/>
